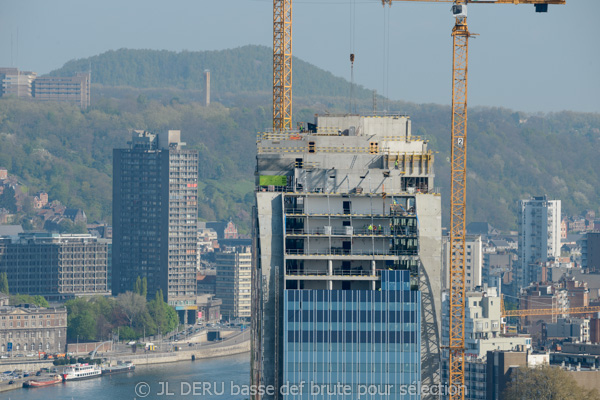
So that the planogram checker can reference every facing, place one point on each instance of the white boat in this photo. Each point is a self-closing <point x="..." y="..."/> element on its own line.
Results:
<point x="81" y="371"/>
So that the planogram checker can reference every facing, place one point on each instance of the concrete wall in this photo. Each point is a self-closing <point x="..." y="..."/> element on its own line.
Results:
<point x="185" y="355"/>
<point x="587" y="379"/>
<point x="271" y="264"/>
<point x="429" y="212"/>
<point x="147" y="358"/>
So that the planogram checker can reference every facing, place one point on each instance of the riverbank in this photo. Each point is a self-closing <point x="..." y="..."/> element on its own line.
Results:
<point x="184" y="355"/>
<point x="230" y="370"/>
<point x="235" y="346"/>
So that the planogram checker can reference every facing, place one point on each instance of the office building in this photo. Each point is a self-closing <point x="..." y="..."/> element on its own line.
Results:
<point x="483" y="333"/>
<point x="500" y="367"/>
<point x="233" y="282"/>
<point x="16" y="83"/>
<point x="483" y="325"/>
<point x="575" y="330"/>
<point x="540" y="296"/>
<point x="155" y="212"/>
<point x="26" y="84"/>
<point x="347" y="258"/>
<point x="539" y="236"/>
<point x="209" y="308"/>
<point x="495" y="265"/>
<point x="590" y="252"/>
<point x="27" y="328"/>
<point x="73" y="89"/>
<point x="55" y="266"/>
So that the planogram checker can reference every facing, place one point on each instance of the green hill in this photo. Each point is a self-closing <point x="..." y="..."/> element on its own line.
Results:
<point x="68" y="152"/>
<point x="244" y="69"/>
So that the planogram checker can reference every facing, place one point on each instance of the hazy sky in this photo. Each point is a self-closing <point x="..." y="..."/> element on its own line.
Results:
<point x="521" y="60"/>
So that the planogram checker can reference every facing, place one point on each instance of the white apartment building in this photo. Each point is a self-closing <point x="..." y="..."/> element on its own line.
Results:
<point x="539" y="236"/>
<point x="233" y="285"/>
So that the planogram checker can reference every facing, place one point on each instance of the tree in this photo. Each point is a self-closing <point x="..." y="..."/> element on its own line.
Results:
<point x="137" y="286"/>
<point x="28" y="299"/>
<point x="132" y="305"/>
<point x="82" y="326"/>
<point x="546" y="383"/>
<point x="8" y="200"/>
<point x="144" y="291"/>
<point x="127" y="333"/>
<point x="40" y="301"/>
<point x="3" y="283"/>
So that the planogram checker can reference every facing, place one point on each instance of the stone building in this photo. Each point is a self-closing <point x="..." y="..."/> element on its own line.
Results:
<point x="28" y="329"/>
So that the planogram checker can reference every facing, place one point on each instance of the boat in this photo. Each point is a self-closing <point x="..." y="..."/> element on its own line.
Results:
<point x="81" y="371"/>
<point x="51" y="380"/>
<point x="121" y="367"/>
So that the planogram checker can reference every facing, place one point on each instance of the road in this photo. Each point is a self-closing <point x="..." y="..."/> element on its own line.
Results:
<point x="163" y="345"/>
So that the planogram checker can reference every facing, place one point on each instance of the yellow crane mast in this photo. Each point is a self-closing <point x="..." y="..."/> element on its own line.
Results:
<point x="282" y="65"/>
<point x="458" y="182"/>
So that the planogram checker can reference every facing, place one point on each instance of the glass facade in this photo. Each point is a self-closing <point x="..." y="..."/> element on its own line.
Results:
<point x="353" y="344"/>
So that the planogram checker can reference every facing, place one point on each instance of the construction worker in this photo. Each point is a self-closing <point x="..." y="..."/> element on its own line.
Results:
<point x="370" y="228"/>
<point x="379" y="229"/>
<point x="396" y="163"/>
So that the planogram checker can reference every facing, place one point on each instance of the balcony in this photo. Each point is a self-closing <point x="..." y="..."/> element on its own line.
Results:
<point x="304" y="213"/>
<point x="335" y="272"/>
<point x="355" y="253"/>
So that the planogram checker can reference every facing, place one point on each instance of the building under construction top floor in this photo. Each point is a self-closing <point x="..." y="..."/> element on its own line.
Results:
<point x="346" y="205"/>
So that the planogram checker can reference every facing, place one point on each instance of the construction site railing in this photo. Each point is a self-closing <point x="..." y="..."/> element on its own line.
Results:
<point x="349" y="252"/>
<point x="386" y="231"/>
<point x="335" y="272"/>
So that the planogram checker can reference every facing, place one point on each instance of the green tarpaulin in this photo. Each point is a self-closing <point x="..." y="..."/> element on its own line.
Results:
<point x="273" y="180"/>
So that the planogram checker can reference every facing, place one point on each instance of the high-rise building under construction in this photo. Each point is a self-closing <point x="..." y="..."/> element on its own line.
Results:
<point x="347" y="261"/>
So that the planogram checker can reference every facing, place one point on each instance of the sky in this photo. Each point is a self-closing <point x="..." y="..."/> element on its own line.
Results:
<point x="521" y="60"/>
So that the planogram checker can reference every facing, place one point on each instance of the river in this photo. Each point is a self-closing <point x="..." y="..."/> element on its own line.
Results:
<point x="223" y="378"/>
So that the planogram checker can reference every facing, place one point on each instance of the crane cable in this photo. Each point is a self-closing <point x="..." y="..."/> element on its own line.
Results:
<point x="352" y="108"/>
<point x="386" y="58"/>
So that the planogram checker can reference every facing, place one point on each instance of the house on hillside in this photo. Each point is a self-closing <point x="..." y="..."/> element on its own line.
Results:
<point x="76" y="215"/>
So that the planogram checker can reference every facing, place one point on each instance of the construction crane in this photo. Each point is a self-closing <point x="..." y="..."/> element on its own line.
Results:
<point x="282" y="65"/>
<point x="504" y="313"/>
<point x="282" y="119"/>
<point x="548" y="311"/>
<point x="458" y="165"/>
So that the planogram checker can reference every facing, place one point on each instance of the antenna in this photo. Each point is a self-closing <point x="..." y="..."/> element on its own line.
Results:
<point x="374" y="102"/>
<point x="352" y="45"/>
<point x="207" y="86"/>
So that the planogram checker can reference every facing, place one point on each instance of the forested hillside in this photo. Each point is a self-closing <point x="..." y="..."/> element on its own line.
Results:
<point x="244" y="69"/>
<point x="68" y="152"/>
